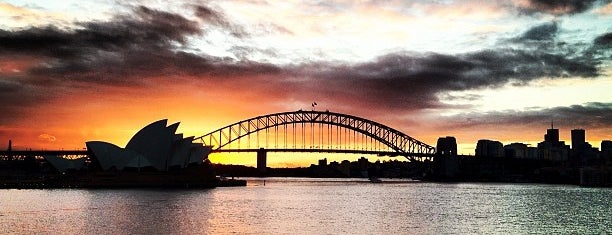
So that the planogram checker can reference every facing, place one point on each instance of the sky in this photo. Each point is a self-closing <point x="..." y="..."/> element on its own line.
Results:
<point x="73" y="71"/>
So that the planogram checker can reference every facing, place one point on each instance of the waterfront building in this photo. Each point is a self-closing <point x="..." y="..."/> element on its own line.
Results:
<point x="553" y="152"/>
<point x="606" y="146"/>
<point x="552" y="135"/>
<point x="489" y="148"/>
<point x="447" y="146"/>
<point x="551" y="148"/>
<point x="582" y="152"/>
<point x="578" y="139"/>
<point x="345" y="168"/>
<point x="532" y="153"/>
<point x="363" y="163"/>
<point x="516" y="150"/>
<point x="446" y="162"/>
<point x="606" y="151"/>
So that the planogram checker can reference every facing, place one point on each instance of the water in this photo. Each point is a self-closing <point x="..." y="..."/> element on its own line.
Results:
<point x="313" y="206"/>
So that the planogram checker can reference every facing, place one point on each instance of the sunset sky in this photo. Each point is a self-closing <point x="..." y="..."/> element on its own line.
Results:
<point x="74" y="70"/>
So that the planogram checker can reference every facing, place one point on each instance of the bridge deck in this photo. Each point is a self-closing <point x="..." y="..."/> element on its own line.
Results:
<point x="315" y="150"/>
<point x="309" y="150"/>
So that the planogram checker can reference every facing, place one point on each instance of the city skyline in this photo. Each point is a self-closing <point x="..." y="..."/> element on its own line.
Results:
<point x="77" y="71"/>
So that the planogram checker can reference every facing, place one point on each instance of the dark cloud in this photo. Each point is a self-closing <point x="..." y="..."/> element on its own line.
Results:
<point x="206" y="13"/>
<point x="557" y="7"/>
<point x="216" y="18"/>
<point x="141" y="45"/>
<point x="8" y="86"/>
<point x="16" y="97"/>
<point x="122" y="52"/>
<point x="600" y="49"/>
<point x="604" y="40"/>
<point x="149" y="28"/>
<point x="414" y="81"/>
<point x="589" y="115"/>
<point x="542" y="32"/>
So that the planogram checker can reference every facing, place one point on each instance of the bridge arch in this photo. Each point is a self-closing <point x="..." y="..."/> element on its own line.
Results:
<point x="401" y="143"/>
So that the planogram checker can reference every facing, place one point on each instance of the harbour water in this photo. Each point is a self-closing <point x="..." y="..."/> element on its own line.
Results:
<point x="313" y="206"/>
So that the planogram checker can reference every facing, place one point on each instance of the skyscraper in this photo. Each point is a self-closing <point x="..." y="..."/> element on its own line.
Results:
<point x="578" y="139"/>
<point x="551" y="148"/>
<point x="447" y="146"/>
<point x="552" y="136"/>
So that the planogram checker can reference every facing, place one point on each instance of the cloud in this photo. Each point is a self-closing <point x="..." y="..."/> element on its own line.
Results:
<point x="125" y="51"/>
<point x="604" y="40"/>
<point x="142" y="45"/>
<point x="590" y="115"/>
<point x="555" y="7"/>
<point x="47" y="138"/>
<point x="600" y="49"/>
<point x="543" y="38"/>
<point x="131" y="49"/>
<point x="542" y="32"/>
<point x="16" y="98"/>
<point x="410" y="81"/>
<point x="606" y="9"/>
<point x="216" y="18"/>
<point x="12" y="16"/>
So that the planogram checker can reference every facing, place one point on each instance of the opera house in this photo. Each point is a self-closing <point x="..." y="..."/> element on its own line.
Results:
<point x="154" y="146"/>
<point x="155" y="156"/>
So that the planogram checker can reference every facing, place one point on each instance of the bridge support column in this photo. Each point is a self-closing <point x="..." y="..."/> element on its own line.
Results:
<point x="262" y="155"/>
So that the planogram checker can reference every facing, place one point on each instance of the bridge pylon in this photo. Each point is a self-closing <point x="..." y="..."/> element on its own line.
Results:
<point x="262" y="156"/>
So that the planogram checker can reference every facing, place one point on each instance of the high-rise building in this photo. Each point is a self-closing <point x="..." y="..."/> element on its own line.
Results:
<point x="578" y="139"/>
<point x="551" y="148"/>
<point x="489" y="148"/>
<point x="447" y="146"/>
<point x="447" y="162"/>
<point x="552" y="136"/>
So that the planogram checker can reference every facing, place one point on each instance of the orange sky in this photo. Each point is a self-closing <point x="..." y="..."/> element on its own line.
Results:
<point x="73" y="71"/>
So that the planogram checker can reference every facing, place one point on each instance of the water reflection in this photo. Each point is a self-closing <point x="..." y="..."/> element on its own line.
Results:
<point x="147" y="211"/>
<point x="290" y="206"/>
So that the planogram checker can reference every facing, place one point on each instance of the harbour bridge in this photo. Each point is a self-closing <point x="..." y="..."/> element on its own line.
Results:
<point x="297" y="131"/>
<point x="315" y="131"/>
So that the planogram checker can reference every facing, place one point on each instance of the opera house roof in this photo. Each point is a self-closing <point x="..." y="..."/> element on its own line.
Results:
<point x="156" y="145"/>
